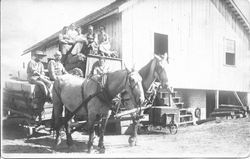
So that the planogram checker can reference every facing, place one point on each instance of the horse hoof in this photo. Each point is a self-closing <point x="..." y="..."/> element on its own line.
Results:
<point x="132" y="141"/>
<point x="90" y="151"/>
<point x="102" y="150"/>
<point x="58" y="141"/>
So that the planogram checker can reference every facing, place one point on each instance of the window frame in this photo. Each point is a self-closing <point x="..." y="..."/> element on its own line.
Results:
<point x="226" y="51"/>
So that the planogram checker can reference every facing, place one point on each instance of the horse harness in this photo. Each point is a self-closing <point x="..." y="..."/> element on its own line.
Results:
<point x="103" y="91"/>
<point x="102" y="88"/>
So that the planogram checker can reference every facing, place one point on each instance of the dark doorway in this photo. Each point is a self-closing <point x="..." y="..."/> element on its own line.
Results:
<point x="210" y="102"/>
<point x="160" y="43"/>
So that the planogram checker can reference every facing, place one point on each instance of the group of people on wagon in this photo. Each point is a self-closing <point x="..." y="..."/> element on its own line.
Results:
<point x="74" y="45"/>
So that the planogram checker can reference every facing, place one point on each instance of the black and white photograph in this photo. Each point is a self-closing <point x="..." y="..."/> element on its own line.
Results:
<point x="125" y="78"/>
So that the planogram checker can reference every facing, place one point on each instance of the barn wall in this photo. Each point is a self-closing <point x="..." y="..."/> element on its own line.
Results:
<point x="137" y="34"/>
<point x="196" y="32"/>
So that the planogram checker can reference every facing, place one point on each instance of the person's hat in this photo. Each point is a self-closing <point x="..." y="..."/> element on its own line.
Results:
<point x="39" y="53"/>
<point x="58" y="53"/>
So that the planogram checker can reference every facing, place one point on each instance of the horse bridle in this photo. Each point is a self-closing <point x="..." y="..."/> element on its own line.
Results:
<point x="160" y="69"/>
<point x="132" y="87"/>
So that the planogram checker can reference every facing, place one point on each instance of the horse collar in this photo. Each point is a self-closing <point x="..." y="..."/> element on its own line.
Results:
<point x="106" y="97"/>
<point x="104" y="86"/>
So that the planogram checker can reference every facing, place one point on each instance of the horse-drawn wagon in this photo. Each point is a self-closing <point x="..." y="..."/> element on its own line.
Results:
<point x="25" y="104"/>
<point x="34" y="105"/>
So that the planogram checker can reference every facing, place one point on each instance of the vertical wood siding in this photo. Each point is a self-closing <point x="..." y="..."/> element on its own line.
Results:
<point x="196" y="31"/>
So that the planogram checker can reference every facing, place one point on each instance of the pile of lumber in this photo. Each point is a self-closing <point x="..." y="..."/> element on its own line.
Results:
<point x="233" y="111"/>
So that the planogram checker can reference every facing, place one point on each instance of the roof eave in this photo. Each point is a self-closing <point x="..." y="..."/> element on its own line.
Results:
<point x="240" y="15"/>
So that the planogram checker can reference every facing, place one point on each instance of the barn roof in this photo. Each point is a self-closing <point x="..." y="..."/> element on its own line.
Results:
<point x="111" y="8"/>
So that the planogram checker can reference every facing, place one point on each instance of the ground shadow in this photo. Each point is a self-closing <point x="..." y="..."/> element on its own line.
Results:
<point x="78" y="146"/>
<point x="25" y="149"/>
<point x="13" y="131"/>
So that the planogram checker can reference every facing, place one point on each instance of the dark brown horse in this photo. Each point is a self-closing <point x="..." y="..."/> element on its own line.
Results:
<point x="70" y="92"/>
<point x="154" y="70"/>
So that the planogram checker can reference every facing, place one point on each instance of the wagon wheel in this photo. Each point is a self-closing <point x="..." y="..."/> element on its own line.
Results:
<point x="150" y="128"/>
<point x="173" y="129"/>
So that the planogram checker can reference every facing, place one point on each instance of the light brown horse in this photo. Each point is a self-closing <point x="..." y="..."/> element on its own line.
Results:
<point x="72" y="91"/>
<point x="154" y="70"/>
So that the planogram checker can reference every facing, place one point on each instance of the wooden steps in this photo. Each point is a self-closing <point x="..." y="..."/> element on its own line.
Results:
<point x="171" y="100"/>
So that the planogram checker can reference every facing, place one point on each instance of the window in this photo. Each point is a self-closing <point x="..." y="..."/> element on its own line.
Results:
<point x="160" y="43"/>
<point x="230" y="52"/>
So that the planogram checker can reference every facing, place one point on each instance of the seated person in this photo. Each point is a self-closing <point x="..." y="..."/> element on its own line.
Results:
<point x="65" y="43"/>
<point x="103" y="42"/>
<point x="72" y="32"/>
<point x="92" y="46"/>
<point x="55" y="67"/>
<point x="36" y="75"/>
<point x="99" y="67"/>
<point x="80" y="40"/>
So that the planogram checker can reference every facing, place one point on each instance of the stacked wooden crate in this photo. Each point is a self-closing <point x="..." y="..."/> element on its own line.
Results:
<point x="21" y="98"/>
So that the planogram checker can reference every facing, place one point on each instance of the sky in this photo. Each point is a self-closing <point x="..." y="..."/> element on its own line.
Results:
<point x="26" y="22"/>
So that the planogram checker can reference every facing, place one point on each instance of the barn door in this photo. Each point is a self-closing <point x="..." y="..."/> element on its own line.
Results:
<point x="160" y="43"/>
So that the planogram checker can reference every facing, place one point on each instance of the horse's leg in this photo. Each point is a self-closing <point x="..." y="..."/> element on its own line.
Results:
<point x="91" y="121"/>
<point x="92" y="118"/>
<point x="67" y="128"/>
<point x="57" y="116"/>
<point x="91" y="137"/>
<point x="102" y="131"/>
<point x="133" y="138"/>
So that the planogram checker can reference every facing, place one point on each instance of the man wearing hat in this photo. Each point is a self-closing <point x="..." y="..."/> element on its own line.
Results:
<point x="36" y="75"/>
<point x="55" y="67"/>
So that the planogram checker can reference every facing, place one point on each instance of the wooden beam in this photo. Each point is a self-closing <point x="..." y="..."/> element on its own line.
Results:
<point x="217" y="95"/>
<point x="238" y="98"/>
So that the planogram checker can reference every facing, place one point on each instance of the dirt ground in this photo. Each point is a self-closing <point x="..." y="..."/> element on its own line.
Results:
<point x="228" y="138"/>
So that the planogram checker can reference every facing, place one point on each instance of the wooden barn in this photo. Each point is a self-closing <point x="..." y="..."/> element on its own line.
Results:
<point x="208" y="43"/>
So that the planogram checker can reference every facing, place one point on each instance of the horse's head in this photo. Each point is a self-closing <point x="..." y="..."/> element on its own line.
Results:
<point x="134" y="88"/>
<point x="160" y="71"/>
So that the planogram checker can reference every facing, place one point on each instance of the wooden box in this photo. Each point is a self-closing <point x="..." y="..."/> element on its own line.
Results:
<point x="156" y="114"/>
